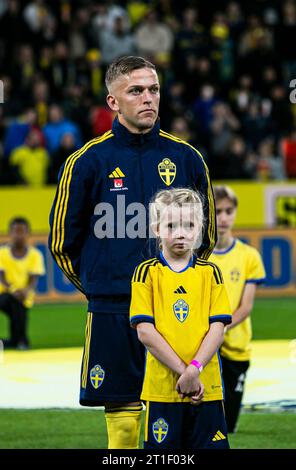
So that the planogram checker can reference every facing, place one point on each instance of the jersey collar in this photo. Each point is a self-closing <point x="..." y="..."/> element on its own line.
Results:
<point x="223" y="252"/>
<point x="165" y="263"/>
<point x="18" y="257"/>
<point x="128" y="138"/>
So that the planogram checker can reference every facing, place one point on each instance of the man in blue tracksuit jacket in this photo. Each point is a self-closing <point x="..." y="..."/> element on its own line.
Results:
<point x="99" y="191"/>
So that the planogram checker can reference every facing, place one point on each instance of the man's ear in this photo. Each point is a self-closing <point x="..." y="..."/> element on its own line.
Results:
<point x="112" y="103"/>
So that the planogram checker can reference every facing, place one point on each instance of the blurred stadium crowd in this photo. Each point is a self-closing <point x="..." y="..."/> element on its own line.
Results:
<point x="225" y="69"/>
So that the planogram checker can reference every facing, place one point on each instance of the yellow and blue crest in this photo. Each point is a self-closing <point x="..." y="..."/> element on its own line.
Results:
<point x="160" y="430"/>
<point x="167" y="171"/>
<point x="235" y="275"/>
<point x="97" y="375"/>
<point x="181" y="310"/>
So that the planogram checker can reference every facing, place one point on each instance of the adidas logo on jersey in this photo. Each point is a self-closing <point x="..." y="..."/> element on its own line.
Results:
<point x="117" y="173"/>
<point x="180" y="290"/>
<point x="118" y="182"/>
<point x="218" y="436"/>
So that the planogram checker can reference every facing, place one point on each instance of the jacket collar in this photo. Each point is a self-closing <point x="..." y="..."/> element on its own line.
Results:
<point x="128" y="138"/>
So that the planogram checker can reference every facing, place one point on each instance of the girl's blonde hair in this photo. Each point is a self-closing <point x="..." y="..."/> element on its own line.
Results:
<point x="176" y="197"/>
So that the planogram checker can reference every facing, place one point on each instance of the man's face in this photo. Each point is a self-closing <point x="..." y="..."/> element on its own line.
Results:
<point x="19" y="235"/>
<point x="135" y="97"/>
<point x="226" y="213"/>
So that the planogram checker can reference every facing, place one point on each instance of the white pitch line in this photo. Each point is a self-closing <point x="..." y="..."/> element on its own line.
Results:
<point x="49" y="378"/>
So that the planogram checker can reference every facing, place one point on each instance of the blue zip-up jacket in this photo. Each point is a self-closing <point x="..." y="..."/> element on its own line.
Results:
<point x="134" y="167"/>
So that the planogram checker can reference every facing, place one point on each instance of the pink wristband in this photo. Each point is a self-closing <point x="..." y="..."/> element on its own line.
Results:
<point x="197" y="364"/>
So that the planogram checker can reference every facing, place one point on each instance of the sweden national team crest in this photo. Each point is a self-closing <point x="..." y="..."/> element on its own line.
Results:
<point x="97" y="375"/>
<point x="181" y="310"/>
<point x="167" y="171"/>
<point x="160" y="430"/>
<point x="235" y="275"/>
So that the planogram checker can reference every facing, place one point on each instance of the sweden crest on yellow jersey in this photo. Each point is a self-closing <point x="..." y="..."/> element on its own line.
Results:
<point x="160" y="430"/>
<point x="181" y="310"/>
<point x="167" y="171"/>
<point x="235" y="275"/>
<point x="97" y="375"/>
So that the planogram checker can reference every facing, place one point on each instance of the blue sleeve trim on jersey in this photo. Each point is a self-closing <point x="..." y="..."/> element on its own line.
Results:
<point x="141" y="319"/>
<point x="226" y="319"/>
<point x="256" y="281"/>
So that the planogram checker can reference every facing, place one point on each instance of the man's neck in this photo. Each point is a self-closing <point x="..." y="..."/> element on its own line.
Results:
<point x="19" y="251"/>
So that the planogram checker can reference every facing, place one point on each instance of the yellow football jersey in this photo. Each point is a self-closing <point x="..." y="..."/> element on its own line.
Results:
<point x="18" y="270"/>
<point x="240" y="264"/>
<point x="181" y="305"/>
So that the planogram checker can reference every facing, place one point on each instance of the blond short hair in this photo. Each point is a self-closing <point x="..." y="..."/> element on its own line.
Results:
<point x="225" y="192"/>
<point x="124" y="66"/>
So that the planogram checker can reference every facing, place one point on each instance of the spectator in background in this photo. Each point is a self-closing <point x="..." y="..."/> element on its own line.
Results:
<point x="235" y="20"/>
<point x="80" y="34"/>
<point x="250" y="165"/>
<point x="18" y="131"/>
<point x="234" y="52"/>
<point x="285" y="37"/>
<point x="34" y="14"/>
<point x="116" y="43"/>
<point x="153" y="37"/>
<point x="180" y="128"/>
<point x="57" y="127"/>
<point x="223" y="125"/>
<point x="243" y="95"/>
<point x="221" y="49"/>
<point x="256" y="47"/>
<point x="137" y="10"/>
<point x="77" y="104"/>
<point x="62" y="69"/>
<point x="40" y="100"/>
<point x="31" y="160"/>
<point x="95" y="72"/>
<point x="45" y="63"/>
<point x="13" y="32"/>
<point x="197" y="73"/>
<point x="190" y="40"/>
<point x="268" y="80"/>
<point x="20" y="267"/>
<point x="256" y="125"/>
<point x="231" y="165"/>
<point x="66" y="148"/>
<point x="105" y="14"/>
<point x="270" y="166"/>
<point x="101" y="119"/>
<point x="24" y="71"/>
<point x="203" y="112"/>
<point x="281" y="112"/>
<point x="176" y="98"/>
<point x="288" y="150"/>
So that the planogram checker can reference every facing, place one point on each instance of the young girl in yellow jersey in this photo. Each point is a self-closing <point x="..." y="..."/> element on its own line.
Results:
<point x="242" y="270"/>
<point x="180" y="307"/>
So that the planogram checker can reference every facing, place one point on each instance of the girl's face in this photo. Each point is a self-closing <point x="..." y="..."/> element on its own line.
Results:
<point x="179" y="229"/>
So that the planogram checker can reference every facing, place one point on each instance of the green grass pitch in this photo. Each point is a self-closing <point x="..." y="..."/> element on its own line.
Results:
<point x="62" y="325"/>
<point x="85" y="429"/>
